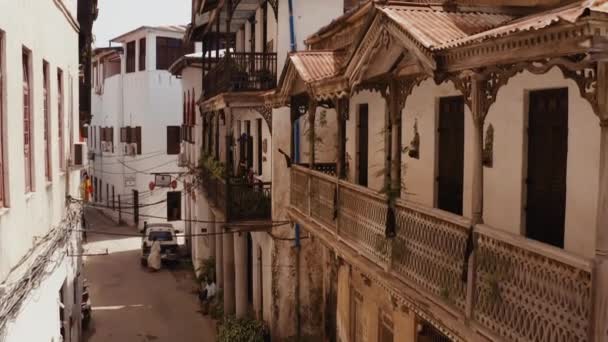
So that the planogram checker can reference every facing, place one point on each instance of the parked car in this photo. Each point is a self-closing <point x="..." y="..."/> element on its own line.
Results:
<point x="165" y="234"/>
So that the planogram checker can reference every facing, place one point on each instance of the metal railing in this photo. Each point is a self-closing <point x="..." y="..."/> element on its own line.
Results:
<point x="517" y="280"/>
<point x="241" y="71"/>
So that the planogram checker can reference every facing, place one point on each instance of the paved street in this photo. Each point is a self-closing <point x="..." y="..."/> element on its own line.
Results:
<point x="132" y="304"/>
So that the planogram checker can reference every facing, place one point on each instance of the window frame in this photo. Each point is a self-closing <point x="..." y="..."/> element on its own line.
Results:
<point x="3" y="188"/>
<point x="28" y="138"/>
<point x="130" y="63"/>
<point x="142" y="54"/>
<point x="173" y="145"/>
<point x="61" y="118"/>
<point x="166" y="54"/>
<point x="46" y="97"/>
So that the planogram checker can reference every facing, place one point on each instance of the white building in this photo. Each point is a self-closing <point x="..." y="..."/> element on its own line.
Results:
<point x="39" y="251"/>
<point x="137" y="113"/>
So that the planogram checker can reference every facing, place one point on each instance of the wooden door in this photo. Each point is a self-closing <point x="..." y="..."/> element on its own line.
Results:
<point x="451" y="154"/>
<point x="363" y="144"/>
<point x="547" y="157"/>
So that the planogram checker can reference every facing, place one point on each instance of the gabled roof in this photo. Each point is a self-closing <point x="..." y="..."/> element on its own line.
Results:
<point x="569" y="13"/>
<point x="434" y="26"/>
<point x="313" y="66"/>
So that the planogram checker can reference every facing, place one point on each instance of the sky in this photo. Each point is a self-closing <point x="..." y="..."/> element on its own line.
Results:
<point x="120" y="16"/>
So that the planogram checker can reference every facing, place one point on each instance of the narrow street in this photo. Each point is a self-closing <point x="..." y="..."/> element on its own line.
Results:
<point x="132" y="304"/>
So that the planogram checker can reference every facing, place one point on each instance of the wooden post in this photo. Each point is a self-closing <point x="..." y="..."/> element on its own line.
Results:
<point x="228" y="161"/>
<point x="395" y="148"/>
<point x="478" y="111"/>
<point x="600" y="286"/>
<point x="342" y="111"/>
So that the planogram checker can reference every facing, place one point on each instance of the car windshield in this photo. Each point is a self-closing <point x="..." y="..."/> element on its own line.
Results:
<point x="160" y="236"/>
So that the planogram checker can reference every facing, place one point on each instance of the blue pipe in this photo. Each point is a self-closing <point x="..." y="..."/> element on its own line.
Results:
<point x="292" y="31"/>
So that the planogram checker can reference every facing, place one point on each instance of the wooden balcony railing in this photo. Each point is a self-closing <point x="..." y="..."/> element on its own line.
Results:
<point x="523" y="290"/>
<point x="242" y="71"/>
<point x="238" y="201"/>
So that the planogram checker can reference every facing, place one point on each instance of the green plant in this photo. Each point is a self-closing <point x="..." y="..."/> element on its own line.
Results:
<point x="241" y="330"/>
<point x="216" y="306"/>
<point x="206" y="270"/>
<point x="215" y="168"/>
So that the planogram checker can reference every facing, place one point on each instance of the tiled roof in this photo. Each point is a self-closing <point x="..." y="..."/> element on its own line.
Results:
<point x="317" y="65"/>
<point x="569" y="13"/>
<point x="435" y="27"/>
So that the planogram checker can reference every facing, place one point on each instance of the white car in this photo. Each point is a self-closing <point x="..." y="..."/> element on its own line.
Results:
<point x="163" y="233"/>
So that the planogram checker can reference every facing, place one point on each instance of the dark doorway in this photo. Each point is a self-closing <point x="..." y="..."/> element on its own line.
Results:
<point x="363" y="144"/>
<point x="547" y="157"/>
<point x="451" y="154"/>
<point x="249" y="270"/>
<point x="249" y="144"/>
<point x="259" y="149"/>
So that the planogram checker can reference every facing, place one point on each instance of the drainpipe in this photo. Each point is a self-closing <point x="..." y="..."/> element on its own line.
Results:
<point x="296" y="142"/>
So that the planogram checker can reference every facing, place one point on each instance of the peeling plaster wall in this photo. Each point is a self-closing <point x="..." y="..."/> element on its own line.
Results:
<point x="326" y="136"/>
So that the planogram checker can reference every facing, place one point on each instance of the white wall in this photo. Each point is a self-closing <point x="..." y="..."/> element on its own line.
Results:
<point x="151" y="99"/>
<point x="32" y="215"/>
<point x="376" y="134"/>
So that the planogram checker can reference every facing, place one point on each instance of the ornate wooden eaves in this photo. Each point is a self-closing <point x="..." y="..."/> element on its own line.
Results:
<point x="404" y="88"/>
<point x="275" y="7"/>
<point x="578" y="68"/>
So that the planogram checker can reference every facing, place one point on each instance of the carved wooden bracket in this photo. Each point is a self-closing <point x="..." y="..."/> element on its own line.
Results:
<point x="266" y="113"/>
<point x="375" y="86"/>
<point x="404" y="88"/>
<point x="577" y="68"/>
<point x="275" y="7"/>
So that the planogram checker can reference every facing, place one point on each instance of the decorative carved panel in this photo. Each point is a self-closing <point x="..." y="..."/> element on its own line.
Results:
<point x="266" y="113"/>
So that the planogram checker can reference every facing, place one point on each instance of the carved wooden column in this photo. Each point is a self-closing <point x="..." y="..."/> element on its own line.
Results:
<point x="395" y="108"/>
<point x="478" y="103"/>
<point x="342" y="112"/>
<point x="600" y="287"/>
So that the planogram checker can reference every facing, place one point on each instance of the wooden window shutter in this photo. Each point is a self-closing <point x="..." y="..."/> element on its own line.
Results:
<point x="142" y="54"/>
<point x="173" y="139"/>
<point x="129" y="136"/>
<point x="138" y="139"/>
<point x="112" y="138"/>
<point x="27" y="131"/>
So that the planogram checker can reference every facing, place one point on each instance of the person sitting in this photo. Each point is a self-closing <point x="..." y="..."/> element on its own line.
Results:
<point x="154" y="258"/>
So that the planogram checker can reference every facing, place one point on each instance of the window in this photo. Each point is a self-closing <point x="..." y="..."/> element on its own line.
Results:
<point x="130" y="57"/>
<point x="142" y="54"/>
<point x="47" y="127"/>
<point x="27" y="123"/>
<point x="131" y="135"/>
<point x="2" y="189"/>
<point x="168" y="50"/>
<point x="173" y="139"/>
<point x="60" y="119"/>
<point x="107" y="139"/>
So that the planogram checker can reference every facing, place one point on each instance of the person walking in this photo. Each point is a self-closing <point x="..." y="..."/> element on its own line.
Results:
<point x="154" y="259"/>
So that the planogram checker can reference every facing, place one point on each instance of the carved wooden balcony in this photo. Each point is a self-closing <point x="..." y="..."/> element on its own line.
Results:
<point x="237" y="199"/>
<point x="242" y="71"/>
<point x="523" y="290"/>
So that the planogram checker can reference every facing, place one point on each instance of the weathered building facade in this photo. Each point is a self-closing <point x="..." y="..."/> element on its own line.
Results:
<point x="40" y="164"/>
<point x="450" y="160"/>
<point x="257" y="256"/>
